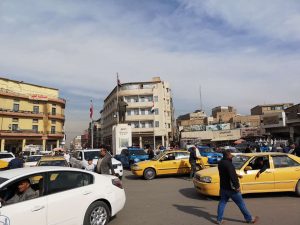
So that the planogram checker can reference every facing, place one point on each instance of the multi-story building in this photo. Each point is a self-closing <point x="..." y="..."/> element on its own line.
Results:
<point x="192" y="121"/>
<point x="223" y="114"/>
<point x="30" y="115"/>
<point x="149" y="112"/>
<point x="270" y="108"/>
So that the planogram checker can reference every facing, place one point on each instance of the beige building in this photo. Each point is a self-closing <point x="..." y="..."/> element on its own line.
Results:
<point x="223" y="114"/>
<point x="149" y="112"/>
<point x="246" y="121"/>
<point x="30" y="115"/>
<point x="194" y="121"/>
<point x="270" y="108"/>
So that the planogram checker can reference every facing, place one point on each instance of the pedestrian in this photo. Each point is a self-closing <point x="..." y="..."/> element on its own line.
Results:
<point x="192" y="159"/>
<point x="230" y="188"/>
<point x="104" y="164"/>
<point x="150" y="153"/>
<point x="67" y="156"/>
<point x="90" y="166"/>
<point x="17" y="162"/>
<point x="292" y="149"/>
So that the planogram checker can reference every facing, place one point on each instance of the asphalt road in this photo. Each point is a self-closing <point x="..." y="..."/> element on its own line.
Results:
<point x="173" y="201"/>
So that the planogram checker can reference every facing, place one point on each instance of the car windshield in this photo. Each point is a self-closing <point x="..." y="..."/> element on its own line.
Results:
<point x="137" y="152"/>
<point x="52" y="163"/>
<point x="239" y="160"/>
<point x="2" y="180"/>
<point x="207" y="150"/>
<point x="91" y="155"/>
<point x="157" y="157"/>
<point x="33" y="158"/>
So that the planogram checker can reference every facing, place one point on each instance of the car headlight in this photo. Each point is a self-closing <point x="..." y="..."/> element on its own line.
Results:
<point x="135" y="167"/>
<point x="209" y="156"/>
<point x="205" y="179"/>
<point x="136" y="160"/>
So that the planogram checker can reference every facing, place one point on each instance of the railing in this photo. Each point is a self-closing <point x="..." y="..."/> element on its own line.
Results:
<point x="23" y="131"/>
<point x="20" y="111"/>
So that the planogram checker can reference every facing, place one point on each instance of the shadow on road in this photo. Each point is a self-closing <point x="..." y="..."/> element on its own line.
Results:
<point x="193" y="194"/>
<point x="198" y="211"/>
<point x="270" y="195"/>
<point x="133" y="177"/>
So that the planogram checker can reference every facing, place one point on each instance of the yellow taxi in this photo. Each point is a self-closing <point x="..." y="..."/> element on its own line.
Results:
<point x="3" y="164"/>
<point x="281" y="173"/>
<point x="165" y="163"/>
<point x="52" y="161"/>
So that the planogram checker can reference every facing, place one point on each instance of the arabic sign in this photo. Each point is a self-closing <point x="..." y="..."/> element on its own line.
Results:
<point x="223" y="126"/>
<point x="38" y="97"/>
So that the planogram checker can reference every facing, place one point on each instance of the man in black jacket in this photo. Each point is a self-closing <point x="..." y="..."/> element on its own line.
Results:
<point x="230" y="188"/>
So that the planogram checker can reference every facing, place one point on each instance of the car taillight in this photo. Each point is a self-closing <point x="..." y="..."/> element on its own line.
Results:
<point x="117" y="182"/>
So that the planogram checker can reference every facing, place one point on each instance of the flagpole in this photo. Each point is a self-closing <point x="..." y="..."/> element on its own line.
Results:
<point x="92" y="134"/>
<point x="117" y="98"/>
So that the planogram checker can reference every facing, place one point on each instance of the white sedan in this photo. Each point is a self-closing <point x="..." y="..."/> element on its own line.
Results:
<point x="58" y="195"/>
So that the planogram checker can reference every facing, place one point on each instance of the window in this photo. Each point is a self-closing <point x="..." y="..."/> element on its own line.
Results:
<point x="284" y="161"/>
<point x="142" y="111"/>
<point x="35" y="120"/>
<point x="36" y="109"/>
<point x="182" y="155"/>
<point x="156" y="111"/>
<point x="65" y="180"/>
<point x="169" y="125"/>
<point x="53" y="121"/>
<point x="142" y="99"/>
<point x="259" y="162"/>
<point x="136" y="112"/>
<point x="52" y="129"/>
<point x="155" y="98"/>
<point x="143" y="124"/>
<point x="129" y="112"/>
<point x="15" y="119"/>
<point x="53" y="112"/>
<point x="150" y="124"/>
<point x="35" y="128"/>
<point x="15" y="127"/>
<point x="156" y="123"/>
<point x="16" y="107"/>
<point x="33" y="184"/>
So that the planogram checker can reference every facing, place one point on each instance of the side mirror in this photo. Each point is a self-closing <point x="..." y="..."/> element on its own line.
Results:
<point x="0" y="204"/>
<point x="79" y="158"/>
<point x="248" y="168"/>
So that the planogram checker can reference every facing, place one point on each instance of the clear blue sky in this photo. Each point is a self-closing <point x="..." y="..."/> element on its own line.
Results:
<point x="241" y="52"/>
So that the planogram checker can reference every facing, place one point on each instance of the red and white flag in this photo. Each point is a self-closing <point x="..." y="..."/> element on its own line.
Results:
<point x="91" y="110"/>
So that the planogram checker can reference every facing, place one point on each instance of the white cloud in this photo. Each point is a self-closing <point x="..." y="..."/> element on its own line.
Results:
<point x="79" y="48"/>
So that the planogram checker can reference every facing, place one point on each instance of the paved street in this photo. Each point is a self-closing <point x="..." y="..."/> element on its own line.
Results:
<point x="173" y="200"/>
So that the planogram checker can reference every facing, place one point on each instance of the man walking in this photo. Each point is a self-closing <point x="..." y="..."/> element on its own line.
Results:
<point x="104" y="164"/>
<point x="192" y="161"/>
<point x="230" y="188"/>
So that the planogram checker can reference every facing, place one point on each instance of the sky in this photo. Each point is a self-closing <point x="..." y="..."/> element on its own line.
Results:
<point x="242" y="53"/>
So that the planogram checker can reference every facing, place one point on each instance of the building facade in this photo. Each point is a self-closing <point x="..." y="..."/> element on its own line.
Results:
<point x="149" y="112"/>
<point x="270" y="108"/>
<point x="30" y="115"/>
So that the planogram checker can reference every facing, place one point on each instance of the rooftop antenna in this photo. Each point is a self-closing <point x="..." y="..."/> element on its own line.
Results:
<point x="201" y="107"/>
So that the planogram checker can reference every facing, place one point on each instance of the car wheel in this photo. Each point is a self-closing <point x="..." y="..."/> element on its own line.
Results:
<point x="298" y="188"/>
<point x="97" y="213"/>
<point x="149" y="174"/>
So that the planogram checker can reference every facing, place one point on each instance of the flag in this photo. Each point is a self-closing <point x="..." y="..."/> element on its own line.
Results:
<point x="91" y="110"/>
<point x="118" y="81"/>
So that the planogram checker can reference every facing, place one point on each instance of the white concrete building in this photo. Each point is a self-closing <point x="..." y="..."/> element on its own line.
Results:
<point x="149" y="112"/>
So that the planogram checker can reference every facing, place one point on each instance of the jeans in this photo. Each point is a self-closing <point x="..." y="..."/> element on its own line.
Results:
<point x="193" y="168"/>
<point x="238" y="200"/>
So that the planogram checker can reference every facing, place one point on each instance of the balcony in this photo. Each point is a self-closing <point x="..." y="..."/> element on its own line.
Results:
<point x="55" y="134"/>
<point x="140" y="117"/>
<point x="139" y="104"/>
<point x="56" y="116"/>
<point x="20" y="113"/>
<point x="21" y="133"/>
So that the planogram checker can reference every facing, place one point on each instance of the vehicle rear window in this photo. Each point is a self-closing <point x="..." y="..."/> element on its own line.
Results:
<point x="91" y="155"/>
<point x="52" y="163"/>
<point x="4" y="156"/>
<point x="284" y="161"/>
<point x="137" y="152"/>
<point x="33" y="158"/>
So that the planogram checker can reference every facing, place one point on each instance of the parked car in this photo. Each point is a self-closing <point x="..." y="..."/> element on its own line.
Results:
<point x="132" y="155"/>
<point x="213" y="157"/>
<point x="166" y="163"/>
<point x="282" y="174"/>
<point x="32" y="160"/>
<point x="63" y="196"/>
<point x="79" y="160"/>
<point x="6" y="156"/>
<point x="52" y="161"/>
<point x="3" y="164"/>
